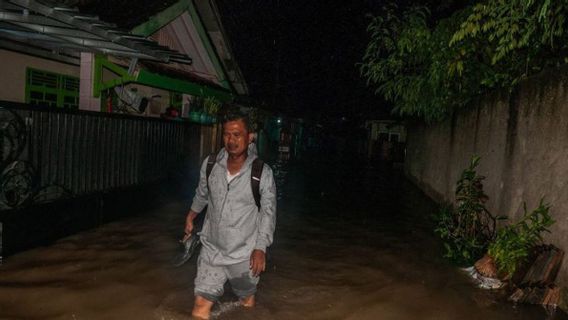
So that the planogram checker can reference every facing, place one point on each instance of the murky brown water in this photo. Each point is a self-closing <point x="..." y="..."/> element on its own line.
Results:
<point x="350" y="244"/>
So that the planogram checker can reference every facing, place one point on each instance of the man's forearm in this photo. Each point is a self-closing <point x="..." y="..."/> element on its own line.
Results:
<point x="192" y="214"/>
<point x="189" y="223"/>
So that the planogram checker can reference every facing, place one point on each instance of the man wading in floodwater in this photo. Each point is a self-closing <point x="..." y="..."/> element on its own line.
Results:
<point x="236" y="232"/>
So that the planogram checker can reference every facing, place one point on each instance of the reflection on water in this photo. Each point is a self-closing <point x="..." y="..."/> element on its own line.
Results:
<point x="353" y="242"/>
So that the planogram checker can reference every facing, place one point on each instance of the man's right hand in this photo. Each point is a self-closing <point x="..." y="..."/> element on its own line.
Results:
<point x="189" y="224"/>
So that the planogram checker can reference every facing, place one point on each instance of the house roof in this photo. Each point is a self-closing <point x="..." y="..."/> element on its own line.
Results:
<point x="212" y="20"/>
<point x="137" y="15"/>
<point x="196" y="26"/>
<point x="167" y="70"/>
<point x="67" y="30"/>
<point x="61" y="29"/>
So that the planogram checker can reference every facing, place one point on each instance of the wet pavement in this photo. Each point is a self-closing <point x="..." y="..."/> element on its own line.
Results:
<point x="352" y="242"/>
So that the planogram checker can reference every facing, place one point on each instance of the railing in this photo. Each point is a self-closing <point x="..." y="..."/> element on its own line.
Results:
<point x="49" y="154"/>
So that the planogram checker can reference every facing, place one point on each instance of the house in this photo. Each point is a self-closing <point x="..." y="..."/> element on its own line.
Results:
<point x="89" y="79"/>
<point x="386" y="139"/>
<point x="114" y="56"/>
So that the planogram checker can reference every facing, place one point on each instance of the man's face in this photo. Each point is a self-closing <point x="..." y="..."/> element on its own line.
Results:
<point x="236" y="137"/>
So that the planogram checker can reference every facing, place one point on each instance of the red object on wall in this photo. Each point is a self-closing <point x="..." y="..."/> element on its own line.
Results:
<point x="109" y="103"/>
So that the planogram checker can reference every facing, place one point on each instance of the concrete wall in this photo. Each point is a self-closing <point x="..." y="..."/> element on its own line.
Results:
<point x="522" y="139"/>
<point x="13" y="64"/>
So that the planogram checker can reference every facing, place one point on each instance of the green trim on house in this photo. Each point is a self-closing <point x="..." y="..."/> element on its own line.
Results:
<point x="161" y="19"/>
<point x="208" y="45"/>
<point x="164" y="82"/>
<point x="150" y="79"/>
<point x="97" y="76"/>
<point x="99" y="85"/>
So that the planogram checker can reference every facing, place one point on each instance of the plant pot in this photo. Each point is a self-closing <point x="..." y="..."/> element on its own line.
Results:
<point x="194" y="116"/>
<point x="203" y="118"/>
<point x="486" y="267"/>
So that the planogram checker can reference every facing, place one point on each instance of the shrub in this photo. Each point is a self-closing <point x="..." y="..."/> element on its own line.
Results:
<point x="468" y="229"/>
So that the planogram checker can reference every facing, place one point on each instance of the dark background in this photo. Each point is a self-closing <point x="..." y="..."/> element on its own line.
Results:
<point x="299" y="57"/>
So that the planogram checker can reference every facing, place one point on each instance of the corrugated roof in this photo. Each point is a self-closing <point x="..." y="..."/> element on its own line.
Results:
<point x="68" y="30"/>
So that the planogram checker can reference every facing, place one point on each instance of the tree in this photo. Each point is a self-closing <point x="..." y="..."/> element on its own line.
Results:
<point x="429" y="69"/>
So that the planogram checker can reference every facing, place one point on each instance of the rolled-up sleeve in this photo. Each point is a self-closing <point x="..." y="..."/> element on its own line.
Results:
<point x="201" y="197"/>
<point x="267" y="210"/>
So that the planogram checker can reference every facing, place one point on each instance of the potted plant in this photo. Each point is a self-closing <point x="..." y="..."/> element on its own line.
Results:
<point x="196" y="109"/>
<point x="211" y="107"/>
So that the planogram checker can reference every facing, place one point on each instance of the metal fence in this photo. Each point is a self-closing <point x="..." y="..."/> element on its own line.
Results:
<point x="49" y="154"/>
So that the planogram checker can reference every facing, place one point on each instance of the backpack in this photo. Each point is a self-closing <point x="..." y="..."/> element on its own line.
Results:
<point x="256" y="173"/>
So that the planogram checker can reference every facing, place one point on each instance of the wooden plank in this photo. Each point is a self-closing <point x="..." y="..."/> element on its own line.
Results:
<point x="544" y="269"/>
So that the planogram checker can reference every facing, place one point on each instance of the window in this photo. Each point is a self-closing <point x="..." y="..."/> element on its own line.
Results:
<point x="394" y="137"/>
<point x="383" y="136"/>
<point x="48" y="89"/>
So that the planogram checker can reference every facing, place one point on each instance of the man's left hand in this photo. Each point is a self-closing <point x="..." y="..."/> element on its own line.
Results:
<point x="257" y="262"/>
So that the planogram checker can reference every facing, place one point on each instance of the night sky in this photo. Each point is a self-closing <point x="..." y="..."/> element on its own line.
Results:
<point x="299" y="57"/>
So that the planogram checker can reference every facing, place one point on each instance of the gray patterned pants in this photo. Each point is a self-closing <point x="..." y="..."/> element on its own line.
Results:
<point x="210" y="280"/>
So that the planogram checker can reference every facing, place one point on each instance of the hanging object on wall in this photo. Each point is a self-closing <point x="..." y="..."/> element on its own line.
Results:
<point x="12" y="136"/>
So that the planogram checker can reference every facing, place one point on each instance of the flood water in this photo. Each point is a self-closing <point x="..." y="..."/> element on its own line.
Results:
<point x="352" y="242"/>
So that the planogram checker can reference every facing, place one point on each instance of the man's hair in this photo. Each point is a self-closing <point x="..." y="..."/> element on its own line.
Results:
<point x="235" y="115"/>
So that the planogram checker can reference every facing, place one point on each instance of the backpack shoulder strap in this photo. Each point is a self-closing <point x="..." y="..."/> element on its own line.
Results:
<point x="210" y="164"/>
<point x="256" y="174"/>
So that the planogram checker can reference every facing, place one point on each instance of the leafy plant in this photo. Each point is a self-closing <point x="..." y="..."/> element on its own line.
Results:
<point x="429" y="68"/>
<point x="197" y="104"/>
<point x="513" y="243"/>
<point x="517" y="38"/>
<point x="459" y="249"/>
<point x="468" y="229"/>
<point x="211" y="106"/>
